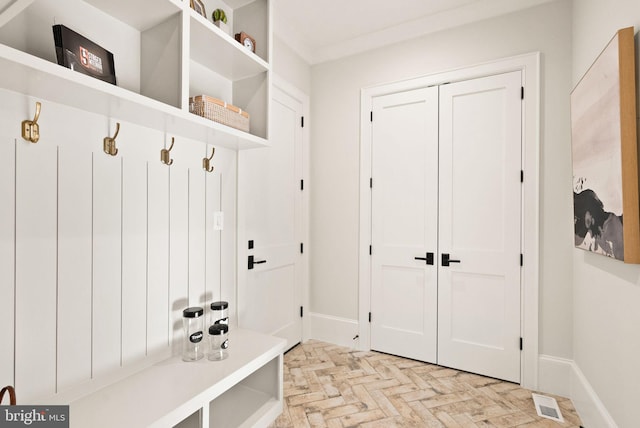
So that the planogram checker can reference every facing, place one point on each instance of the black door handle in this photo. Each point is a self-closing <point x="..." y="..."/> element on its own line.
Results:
<point x="446" y="260"/>
<point x="252" y="262"/>
<point x="428" y="258"/>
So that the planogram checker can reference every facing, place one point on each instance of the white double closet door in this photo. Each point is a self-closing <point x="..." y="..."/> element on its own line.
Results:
<point x="446" y="225"/>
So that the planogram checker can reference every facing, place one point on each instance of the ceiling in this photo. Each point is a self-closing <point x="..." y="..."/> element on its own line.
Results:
<point x="324" y="30"/>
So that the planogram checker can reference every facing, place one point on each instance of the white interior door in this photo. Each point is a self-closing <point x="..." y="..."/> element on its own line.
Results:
<point x="270" y="200"/>
<point x="479" y="226"/>
<point x="405" y="224"/>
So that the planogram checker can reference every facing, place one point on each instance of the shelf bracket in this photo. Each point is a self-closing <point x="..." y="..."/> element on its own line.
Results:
<point x="109" y="143"/>
<point x="30" y="128"/>
<point x="206" y="162"/>
<point x="164" y="153"/>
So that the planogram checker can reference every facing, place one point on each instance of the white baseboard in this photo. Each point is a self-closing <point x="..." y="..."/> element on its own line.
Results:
<point x="336" y="330"/>
<point x="554" y="375"/>
<point x="591" y="410"/>
<point x="563" y="377"/>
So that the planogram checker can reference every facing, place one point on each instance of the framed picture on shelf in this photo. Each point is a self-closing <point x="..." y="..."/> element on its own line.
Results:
<point x="198" y="6"/>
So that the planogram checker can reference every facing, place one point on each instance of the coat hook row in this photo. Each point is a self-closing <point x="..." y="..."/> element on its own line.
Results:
<point x="164" y="153"/>
<point x="206" y="162"/>
<point x="109" y="143"/>
<point x="30" y="128"/>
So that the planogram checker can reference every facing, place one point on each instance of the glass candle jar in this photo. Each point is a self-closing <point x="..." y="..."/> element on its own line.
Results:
<point x="193" y="324"/>
<point x="218" y="342"/>
<point x="220" y="313"/>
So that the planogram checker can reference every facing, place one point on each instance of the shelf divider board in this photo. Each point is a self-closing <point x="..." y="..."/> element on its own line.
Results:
<point x="42" y="79"/>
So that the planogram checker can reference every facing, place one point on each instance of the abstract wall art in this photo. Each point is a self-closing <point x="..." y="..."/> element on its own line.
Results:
<point x="605" y="154"/>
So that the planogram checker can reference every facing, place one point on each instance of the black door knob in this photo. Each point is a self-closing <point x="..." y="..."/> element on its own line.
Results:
<point x="446" y="260"/>
<point x="428" y="258"/>
<point x="252" y="261"/>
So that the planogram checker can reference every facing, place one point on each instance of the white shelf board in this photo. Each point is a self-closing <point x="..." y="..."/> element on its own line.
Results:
<point x="168" y="392"/>
<point x="44" y="80"/>
<point x="221" y="53"/>
<point x="242" y="406"/>
<point x="139" y="14"/>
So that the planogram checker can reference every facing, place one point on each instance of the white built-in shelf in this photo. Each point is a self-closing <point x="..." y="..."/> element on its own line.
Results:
<point x="156" y="74"/>
<point x="42" y="79"/>
<point x="219" y="52"/>
<point x="243" y="390"/>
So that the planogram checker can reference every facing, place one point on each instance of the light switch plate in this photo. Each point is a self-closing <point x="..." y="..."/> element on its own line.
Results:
<point x="218" y="220"/>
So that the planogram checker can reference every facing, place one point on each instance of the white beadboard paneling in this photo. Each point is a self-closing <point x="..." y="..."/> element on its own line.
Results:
<point x="107" y="278"/>
<point x="158" y="307"/>
<point x="35" y="318"/>
<point x="10" y="117"/>
<point x="75" y="245"/>
<point x="134" y="243"/>
<point x="178" y="237"/>
<point x="213" y="237"/>
<point x="227" y="167"/>
<point x="197" y="233"/>
<point x="7" y="231"/>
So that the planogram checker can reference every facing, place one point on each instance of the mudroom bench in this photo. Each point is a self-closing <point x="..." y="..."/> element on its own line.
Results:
<point x="244" y="390"/>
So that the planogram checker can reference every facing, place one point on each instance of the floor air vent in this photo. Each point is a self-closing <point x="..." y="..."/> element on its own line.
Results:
<point x="547" y="407"/>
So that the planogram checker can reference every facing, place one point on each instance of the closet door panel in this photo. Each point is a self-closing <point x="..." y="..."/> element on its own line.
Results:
<point x="75" y="245"/>
<point x="35" y="260"/>
<point x="107" y="263"/>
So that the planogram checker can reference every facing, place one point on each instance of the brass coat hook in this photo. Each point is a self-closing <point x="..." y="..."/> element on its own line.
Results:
<point x="206" y="162"/>
<point x="164" y="153"/>
<point x="30" y="128"/>
<point x="109" y="143"/>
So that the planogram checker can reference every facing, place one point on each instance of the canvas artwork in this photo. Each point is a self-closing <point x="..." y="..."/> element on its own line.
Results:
<point x="604" y="146"/>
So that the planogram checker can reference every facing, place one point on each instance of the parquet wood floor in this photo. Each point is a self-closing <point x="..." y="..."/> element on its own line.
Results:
<point x="331" y="386"/>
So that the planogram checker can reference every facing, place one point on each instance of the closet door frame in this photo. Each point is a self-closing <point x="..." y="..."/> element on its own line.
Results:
<point x="529" y="65"/>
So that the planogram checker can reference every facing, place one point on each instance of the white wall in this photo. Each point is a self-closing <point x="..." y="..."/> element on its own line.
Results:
<point x="290" y="66"/>
<point x="606" y="292"/>
<point x="335" y="109"/>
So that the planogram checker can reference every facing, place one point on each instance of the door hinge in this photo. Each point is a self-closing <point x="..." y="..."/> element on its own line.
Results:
<point x="370" y="250"/>
<point x="371" y="116"/>
<point x="522" y="92"/>
<point x="301" y="248"/>
<point x="521" y="176"/>
<point x="371" y="183"/>
<point x="301" y="184"/>
<point x="302" y="122"/>
<point x="301" y="311"/>
<point x="521" y="344"/>
<point x="521" y="259"/>
<point x="369" y="316"/>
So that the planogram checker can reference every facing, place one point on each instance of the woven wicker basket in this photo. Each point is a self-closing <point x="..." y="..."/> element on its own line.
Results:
<point x="219" y="111"/>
